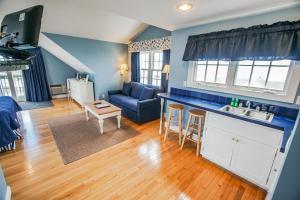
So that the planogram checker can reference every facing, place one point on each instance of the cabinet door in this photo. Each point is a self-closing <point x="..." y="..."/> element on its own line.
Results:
<point x="218" y="146"/>
<point x="253" y="160"/>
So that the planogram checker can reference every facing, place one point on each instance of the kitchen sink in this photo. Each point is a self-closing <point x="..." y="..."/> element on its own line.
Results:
<point x="235" y="110"/>
<point x="253" y="114"/>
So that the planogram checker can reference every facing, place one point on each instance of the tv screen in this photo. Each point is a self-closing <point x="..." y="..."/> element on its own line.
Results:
<point x="23" y="25"/>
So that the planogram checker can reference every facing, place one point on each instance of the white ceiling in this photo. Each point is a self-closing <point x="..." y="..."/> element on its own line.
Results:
<point x="78" y="18"/>
<point x="120" y="20"/>
<point x="163" y="13"/>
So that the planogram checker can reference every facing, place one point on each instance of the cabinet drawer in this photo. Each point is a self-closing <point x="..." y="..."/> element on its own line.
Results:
<point x="256" y="132"/>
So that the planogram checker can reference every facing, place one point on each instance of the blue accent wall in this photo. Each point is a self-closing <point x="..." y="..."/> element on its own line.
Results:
<point x="151" y="32"/>
<point x="104" y="58"/>
<point x="179" y="69"/>
<point x="3" y="185"/>
<point x="289" y="184"/>
<point x="57" y="71"/>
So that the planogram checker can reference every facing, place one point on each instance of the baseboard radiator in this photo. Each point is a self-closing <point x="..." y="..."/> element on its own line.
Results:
<point x="58" y="89"/>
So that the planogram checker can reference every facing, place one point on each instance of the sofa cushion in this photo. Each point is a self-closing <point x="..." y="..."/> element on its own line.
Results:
<point x="136" y="89"/>
<point x="130" y="104"/>
<point x="126" y="101"/>
<point x="147" y="93"/>
<point x="126" y="88"/>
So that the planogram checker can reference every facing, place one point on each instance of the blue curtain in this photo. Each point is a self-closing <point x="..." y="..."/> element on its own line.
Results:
<point x="263" y="42"/>
<point x="135" y="66"/>
<point x="35" y="78"/>
<point x="166" y="60"/>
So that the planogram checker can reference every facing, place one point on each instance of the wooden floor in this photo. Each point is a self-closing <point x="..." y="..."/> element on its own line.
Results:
<point x="143" y="167"/>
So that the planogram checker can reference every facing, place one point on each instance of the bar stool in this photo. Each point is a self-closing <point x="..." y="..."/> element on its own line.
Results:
<point x="174" y="108"/>
<point x="195" y="119"/>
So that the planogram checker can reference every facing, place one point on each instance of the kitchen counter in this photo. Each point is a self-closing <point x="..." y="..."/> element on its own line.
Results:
<point x="278" y="122"/>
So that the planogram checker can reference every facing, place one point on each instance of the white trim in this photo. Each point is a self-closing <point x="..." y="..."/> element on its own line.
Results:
<point x="8" y="193"/>
<point x="288" y="95"/>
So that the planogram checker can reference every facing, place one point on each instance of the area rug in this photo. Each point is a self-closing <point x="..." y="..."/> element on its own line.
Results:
<point x="26" y="105"/>
<point x="77" y="138"/>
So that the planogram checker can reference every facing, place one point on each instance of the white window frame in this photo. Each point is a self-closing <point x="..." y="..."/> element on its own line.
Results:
<point x="151" y="67"/>
<point x="287" y="95"/>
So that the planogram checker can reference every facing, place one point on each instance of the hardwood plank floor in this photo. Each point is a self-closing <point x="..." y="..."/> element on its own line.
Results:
<point x="143" y="167"/>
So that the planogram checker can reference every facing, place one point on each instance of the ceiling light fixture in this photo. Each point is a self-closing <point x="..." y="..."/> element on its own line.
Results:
<point x="184" y="6"/>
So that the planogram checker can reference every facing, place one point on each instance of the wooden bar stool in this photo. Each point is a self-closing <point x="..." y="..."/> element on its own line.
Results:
<point x="174" y="108"/>
<point x="194" y="124"/>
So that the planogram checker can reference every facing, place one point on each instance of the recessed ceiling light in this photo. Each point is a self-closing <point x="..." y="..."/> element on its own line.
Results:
<point x="184" y="6"/>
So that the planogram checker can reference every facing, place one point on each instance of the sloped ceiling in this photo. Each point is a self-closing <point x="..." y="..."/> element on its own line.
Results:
<point x="79" y="18"/>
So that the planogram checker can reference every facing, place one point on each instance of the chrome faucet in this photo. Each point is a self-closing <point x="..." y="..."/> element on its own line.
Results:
<point x="248" y="104"/>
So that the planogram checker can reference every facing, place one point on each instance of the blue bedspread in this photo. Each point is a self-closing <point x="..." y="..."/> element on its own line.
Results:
<point x="8" y="120"/>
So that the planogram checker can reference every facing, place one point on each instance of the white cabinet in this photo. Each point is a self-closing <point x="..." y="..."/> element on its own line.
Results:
<point x="218" y="146"/>
<point x="248" y="150"/>
<point x="81" y="91"/>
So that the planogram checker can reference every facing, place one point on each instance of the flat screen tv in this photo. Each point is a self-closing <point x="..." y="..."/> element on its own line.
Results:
<point x="24" y="26"/>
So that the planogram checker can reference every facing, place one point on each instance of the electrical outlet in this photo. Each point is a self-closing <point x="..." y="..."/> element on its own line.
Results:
<point x="298" y="100"/>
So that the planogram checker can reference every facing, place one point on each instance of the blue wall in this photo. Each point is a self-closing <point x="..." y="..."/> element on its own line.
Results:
<point x="57" y="71"/>
<point x="151" y="32"/>
<point x="2" y="185"/>
<point x="289" y="184"/>
<point x="179" y="39"/>
<point x="104" y="58"/>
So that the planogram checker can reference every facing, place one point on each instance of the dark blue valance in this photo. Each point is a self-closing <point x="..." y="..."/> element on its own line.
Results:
<point x="278" y="41"/>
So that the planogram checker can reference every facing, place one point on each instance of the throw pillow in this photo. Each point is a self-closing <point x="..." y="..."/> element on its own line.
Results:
<point x="136" y="89"/>
<point x="126" y="88"/>
<point x="147" y="93"/>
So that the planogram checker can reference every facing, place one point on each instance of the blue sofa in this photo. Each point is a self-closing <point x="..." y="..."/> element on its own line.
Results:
<point x="138" y="102"/>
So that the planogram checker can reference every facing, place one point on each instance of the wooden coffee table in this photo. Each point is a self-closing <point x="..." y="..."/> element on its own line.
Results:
<point x="102" y="113"/>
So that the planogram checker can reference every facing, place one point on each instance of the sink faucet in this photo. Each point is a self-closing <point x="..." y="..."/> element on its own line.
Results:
<point x="248" y="104"/>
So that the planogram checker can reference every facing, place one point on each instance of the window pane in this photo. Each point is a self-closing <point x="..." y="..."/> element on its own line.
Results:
<point x="262" y="63"/>
<point x="246" y="62"/>
<point x="212" y="62"/>
<point x="157" y="65"/>
<point x="201" y="62"/>
<point x="221" y="62"/>
<point x="211" y="73"/>
<point x="200" y="73"/>
<point x="4" y="85"/>
<point x="282" y="62"/>
<point x="157" y="56"/>
<point x="259" y="76"/>
<point x="243" y="75"/>
<point x="277" y="78"/>
<point x="222" y="74"/>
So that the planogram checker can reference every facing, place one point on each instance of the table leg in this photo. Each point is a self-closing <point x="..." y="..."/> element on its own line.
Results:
<point x="87" y="115"/>
<point x="162" y="102"/>
<point x="101" y="121"/>
<point x="119" y="121"/>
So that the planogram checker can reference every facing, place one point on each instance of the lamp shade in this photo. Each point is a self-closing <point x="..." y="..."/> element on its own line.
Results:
<point x="166" y="69"/>
<point x="124" y="67"/>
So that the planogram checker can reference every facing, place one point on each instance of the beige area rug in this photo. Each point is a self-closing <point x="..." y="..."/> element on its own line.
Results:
<point x="77" y="138"/>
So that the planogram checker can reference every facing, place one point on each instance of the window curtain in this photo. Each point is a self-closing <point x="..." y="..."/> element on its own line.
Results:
<point x="278" y="41"/>
<point x="35" y="78"/>
<point x="166" y="60"/>
<point x="135" y="66"/>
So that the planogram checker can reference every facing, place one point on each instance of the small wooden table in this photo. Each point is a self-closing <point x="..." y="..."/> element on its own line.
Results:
<point x="102" y="113"/>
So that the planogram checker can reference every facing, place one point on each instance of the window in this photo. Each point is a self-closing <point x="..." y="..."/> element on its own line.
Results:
<point x="274" y="80"/>
<point x="12" y="84"/>
<point x="150" y="67"/>
<point x="211" y="71"/>
<point x="270" y="75"/>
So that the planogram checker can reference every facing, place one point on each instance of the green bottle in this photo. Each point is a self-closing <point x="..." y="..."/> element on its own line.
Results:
<point x="232" y="102"/>
<point x="236" y="102"/>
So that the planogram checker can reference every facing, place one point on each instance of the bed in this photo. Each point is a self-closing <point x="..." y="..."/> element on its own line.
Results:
<point x="10" y="123"/>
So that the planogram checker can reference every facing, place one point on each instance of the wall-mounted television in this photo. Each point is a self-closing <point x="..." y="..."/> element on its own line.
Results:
<point x="23" y="27"/>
